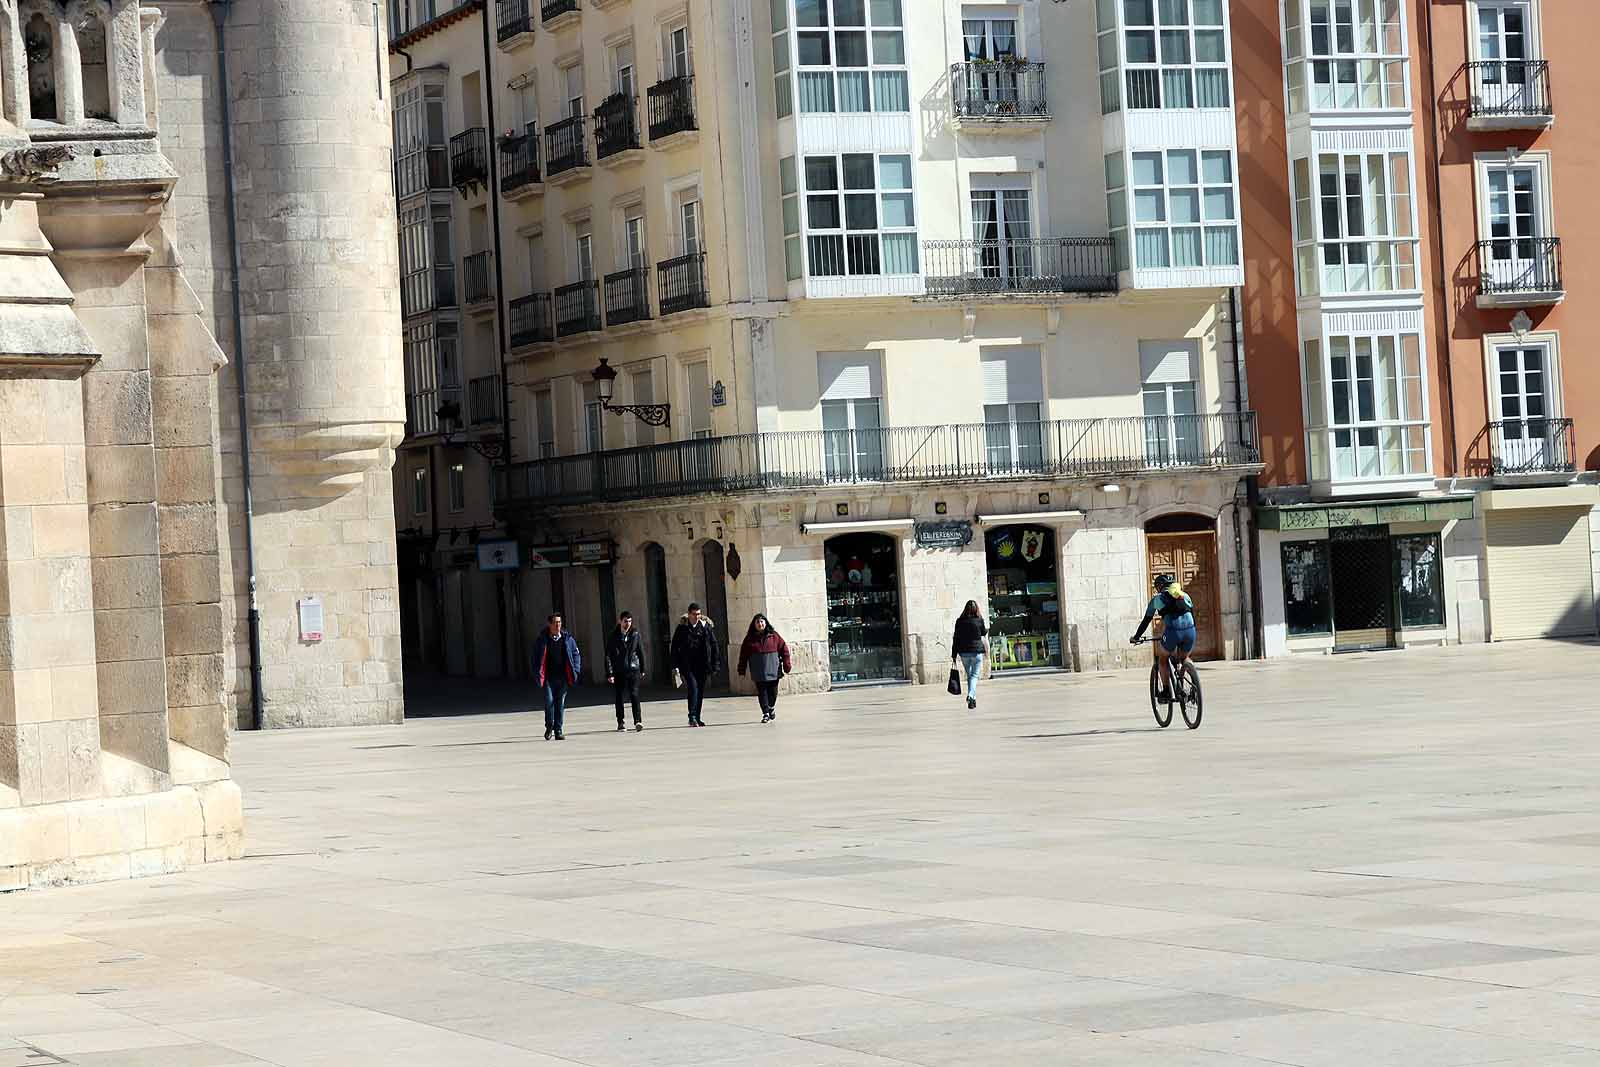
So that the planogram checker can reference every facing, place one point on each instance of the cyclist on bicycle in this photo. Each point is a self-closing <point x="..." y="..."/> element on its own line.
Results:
<point x="1177" y="626"/>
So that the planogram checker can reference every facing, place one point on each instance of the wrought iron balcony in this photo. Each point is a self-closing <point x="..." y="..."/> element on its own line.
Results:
<point x="469" y="158"/>
<point x="478" y="278"/>
<point x="1072" y="448"/>
<point x="672" y="107"/>
<point x="998" y="90"/>
<point x="550" y="10"/>
<point x="1520" y="272"/>
<point x="627" y="296"/>
<point x="577" y="308"/>
<point x="564" y="146"/>
<point x="512" y="17"/>
<point x="483" y="399"/>
<point x="1020" y="266"/>
<point x="681" y="282"/>
<point x="1509" y="94"/>
<point x="616" y="125"/>
<point x="1532" y="446"/>
<point x="531" y="320"/>
<point x="519" y="162"/>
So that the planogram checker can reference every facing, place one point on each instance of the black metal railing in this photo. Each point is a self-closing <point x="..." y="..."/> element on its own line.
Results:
<point x="564" y="146"/>
<point x="998" y="89"/>
<point x="1020" y="265"/>
<point x="554" y="9"/>
<point x="477" y="278"/>
<point x="531" y="320"/>
<point x="971" y="452"/>
<point x="519" y="161"/>
<point x="616" y="125"/>
<point x="681" y="282"/>
<point x="577" y="308"/>
<point x="672" y="107"/>
<point x="422" y="170"/>
<point x="1510" y="89"/>
<point x="483" y="399"/>
<point x="1519" y="266"/>
<point x="1532" y="446"/>
<point x="512" y="17"/>
<point x="469" y="157"/>
<point x="627" y="296"/>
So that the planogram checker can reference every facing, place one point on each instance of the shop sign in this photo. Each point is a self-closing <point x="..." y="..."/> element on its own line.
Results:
<point x="1352" y="517"/>
<point x="591" y="553"/>
<point x="1306" y="519"/>
<point x="498" y="555"/>
<point x="1417" y="512"/>
<point x="1358" y="533"/>
<point x="953" y="533"/>
<point x="544" y="557"/>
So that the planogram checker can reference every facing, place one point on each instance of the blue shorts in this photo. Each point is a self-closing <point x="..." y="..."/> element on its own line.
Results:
<point x="1174" y="638"/>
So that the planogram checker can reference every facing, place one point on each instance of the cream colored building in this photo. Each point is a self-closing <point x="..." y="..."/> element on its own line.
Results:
<point x="937" y="295"/>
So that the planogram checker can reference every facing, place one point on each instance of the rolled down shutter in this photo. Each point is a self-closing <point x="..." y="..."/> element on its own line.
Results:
<point x="1161" y="362"/>
<point x="1540" y="573"/>
<point x="1012" y="375"/>
<point x="850" y="375"/>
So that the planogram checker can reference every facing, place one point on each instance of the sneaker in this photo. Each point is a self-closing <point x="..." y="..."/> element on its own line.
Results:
<point x="548" y="733"/>
<point x="620" y="727"/>
<point x="638" y="727"/>
<point x="971" y="704"/>
<point x="560" y="736"/>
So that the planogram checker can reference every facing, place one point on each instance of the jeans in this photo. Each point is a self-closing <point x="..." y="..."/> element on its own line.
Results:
<point x="694" y="686"/>
<point x="973" y="662"/>
<point x="627" y="687"/>
<point x="767" y="694"/>
<point x="555" y="705"/>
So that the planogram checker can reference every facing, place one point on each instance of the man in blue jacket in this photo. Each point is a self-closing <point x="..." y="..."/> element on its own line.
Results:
<point x="556" y="663"/>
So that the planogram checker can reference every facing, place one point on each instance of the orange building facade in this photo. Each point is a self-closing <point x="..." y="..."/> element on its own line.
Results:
<point x="1417" y="231"/>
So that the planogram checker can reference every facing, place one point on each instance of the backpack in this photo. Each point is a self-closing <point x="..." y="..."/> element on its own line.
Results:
<point x="1172" y="606"/>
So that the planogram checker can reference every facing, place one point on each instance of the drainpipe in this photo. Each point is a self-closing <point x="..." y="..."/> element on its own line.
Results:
<point x="1252" y="624"/>
<point x="494" y="221"/>
<point x="219" y="15"/>
<point x="1441" y="293"/>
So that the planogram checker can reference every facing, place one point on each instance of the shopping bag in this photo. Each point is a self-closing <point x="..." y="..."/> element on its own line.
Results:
<point x="953" y="687"/>
<point x="677" y="678"/>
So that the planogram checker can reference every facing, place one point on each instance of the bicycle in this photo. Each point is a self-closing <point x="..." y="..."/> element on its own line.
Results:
<point x="1185" y="689"/>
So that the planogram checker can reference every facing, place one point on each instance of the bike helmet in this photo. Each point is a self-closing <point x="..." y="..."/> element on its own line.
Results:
<point x="1162" y="581"/>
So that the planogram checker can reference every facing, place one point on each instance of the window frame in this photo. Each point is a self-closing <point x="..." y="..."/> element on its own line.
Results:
<point x="841" y="194"/>
<point x="869" y="31"/>
<point x="1319" y="383"/>
<point x="1439" y="615"/>
<point x="1391" y="250"/>
<point x="1170" y="194"/>
<point x="1378" y="58"/>
<point x="1319" y="546"/>
<point x="421" y="502"/>
<point x="456" y="478"/>
<point x="1139" y="78"/>
<point x="1484" y="164"/>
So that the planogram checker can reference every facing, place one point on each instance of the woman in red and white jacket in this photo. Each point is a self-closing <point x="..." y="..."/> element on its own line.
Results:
<point x="766" y="655"/>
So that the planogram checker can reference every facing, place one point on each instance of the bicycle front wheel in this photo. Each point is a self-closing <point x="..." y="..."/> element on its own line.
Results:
<point x="1157" y="705"/>
<point x="1191" y="703"/>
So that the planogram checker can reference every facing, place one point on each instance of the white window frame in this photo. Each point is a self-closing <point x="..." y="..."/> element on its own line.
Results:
<point x="1318" y="394"/>
<point x="628" y="85"/>
<point x="592" y="417"/>
<point x="525" y="92"/>
<point x="1544" y="199"/>
<point x="643" y="432"/>
<point x="412" y="136"/>
<point x="1170" y="195"/>
<point x="1368" y="71"/>
<point x="544" y="422"/>
<point x="830" y="73"/>
<point x="420" y="502"/>
<point x="1390" y="243"/>
<point x="457" y="479"/>
<point x="843" y="233"/>
<point x="1550" y="341"/>
<point x="693" y="432"/>
<point x="572" y="106"/>
<point x="1534" y="34"/>
<point x="670" y="66"/>
<point x="582" y="246"/>
<point x="1007" y="262"/>
<point x="1145" y="80"/>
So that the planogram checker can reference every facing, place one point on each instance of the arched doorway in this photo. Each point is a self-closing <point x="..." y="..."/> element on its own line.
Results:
<point x="657" y="626"/>
<point x="716" y="602"/>
<point x="1185" y="546"/>
<point x="1024" y="597"/>
<point x="865" y="633"/>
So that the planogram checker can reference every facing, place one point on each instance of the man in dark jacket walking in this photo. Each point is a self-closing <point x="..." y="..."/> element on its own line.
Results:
<point x="624" y="668"/>
<point x="556" y="663"/>
<point x="696" y="656"/>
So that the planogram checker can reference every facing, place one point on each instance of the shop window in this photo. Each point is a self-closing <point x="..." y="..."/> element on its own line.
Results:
<point x="864" y="628"/>
<point x="1307" y="597"/>
<point x="1024" y="597"/>
<point x="1420" y="579"/>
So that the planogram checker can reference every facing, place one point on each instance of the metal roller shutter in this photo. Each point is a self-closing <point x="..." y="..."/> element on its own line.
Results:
<point x="1540" y="582"/>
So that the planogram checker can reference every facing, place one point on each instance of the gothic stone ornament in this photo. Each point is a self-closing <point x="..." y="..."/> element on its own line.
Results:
<point x="37" y="163"/>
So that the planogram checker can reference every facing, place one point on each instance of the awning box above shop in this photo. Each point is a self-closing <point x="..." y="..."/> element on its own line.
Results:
<point x="1367" y="513"/>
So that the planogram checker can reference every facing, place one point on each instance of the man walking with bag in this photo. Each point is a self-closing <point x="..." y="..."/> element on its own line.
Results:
<point x="624" y="668"/>
<point x="696" y="656"/>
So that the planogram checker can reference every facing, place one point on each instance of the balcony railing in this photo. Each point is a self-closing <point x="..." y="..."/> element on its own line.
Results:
<point x="564" y="147"/>
<point x="682" y="283"/>
<point x="519" y="162"/>
<point x="1520" y="269"/>
<point x="422" y="170"/>
<point x="1532" y="446"/>
<point x="477" y="278"/>
<point x="483" y="399"/>
<point x="431" y="410"/>
<point x="1020" y="266"/>
<point x="512" y="17"/>
<point x="616" y="125"/>
<point x="577" y="308"/>
<point x="550" y="10"/>
<point x="1507" y="90"/>
<point x="627" y="296"/>
<point x="531" y="320"/>
<point x="469" y="158"/>
<point x="998" y="90"/>
<point x="1087" y="448"/>
<point x="672" y="107"/>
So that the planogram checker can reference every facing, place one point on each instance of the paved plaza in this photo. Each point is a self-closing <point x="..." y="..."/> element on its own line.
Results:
<point x="1356" y="862"/>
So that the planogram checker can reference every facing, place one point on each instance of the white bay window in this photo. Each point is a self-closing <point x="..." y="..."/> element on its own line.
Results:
<point x="850" y="56"/>
<point x="860" y="215"/>
<point x="1355" y="229"/>
<point x="1345" y="55"/>
<point x="1366" y="412"/>
<point x="1183" y="209"/>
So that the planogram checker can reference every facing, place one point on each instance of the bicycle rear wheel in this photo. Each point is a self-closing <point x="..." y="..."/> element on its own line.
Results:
<point x="1157" y="705"/>
<point x="1191" y="702"/>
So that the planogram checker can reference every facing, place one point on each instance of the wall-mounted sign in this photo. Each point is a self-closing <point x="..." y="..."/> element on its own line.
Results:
<point x="591" y="553"/>
<point x="719" y="395"/>
<point x="953" y="533"/>
<point x="310" y="609"/>
<point x="498" y="556"/>
<point x="543" y="557"/>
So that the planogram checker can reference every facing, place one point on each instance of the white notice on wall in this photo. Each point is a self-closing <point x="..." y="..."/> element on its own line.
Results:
<point x="311" y="619"/>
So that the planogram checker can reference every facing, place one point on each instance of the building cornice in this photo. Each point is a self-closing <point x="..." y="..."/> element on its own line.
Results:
<point x="456" y="14"/>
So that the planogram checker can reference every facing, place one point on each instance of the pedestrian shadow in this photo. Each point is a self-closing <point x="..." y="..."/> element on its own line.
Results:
<point x="1089" y="733"/>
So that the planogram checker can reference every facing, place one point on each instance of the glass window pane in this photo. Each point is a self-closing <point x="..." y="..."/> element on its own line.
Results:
<point x="780" y="15"/>
<point x="787" y="178"/>
<point x="1180" y="168"/>
<point x="897" y="210"/>
<point x="858" y="171"/>
<point x="1151" y="248"/>
<point x="890" y="90"/>
<point x="810" y="12"/>
<point x="1141" y="46"/>
<point x="1138" y="12"/>
<point x="1115" y="175"/>
<point x="850" y="49"/>
<point x="1219" y="204"/>
<point x="1186" y="247"/>
<point x="1210" y="47"/>
<point x="894" y="172"/>
<point x="1185" y="205"/>
<point x="1218" y="167"/>
<point x="899" y="253"/>
<point x="1222" y="246"/>
<point x="1174" y="12"/>
<point x="889" y="48"/>
<point x="793" y="259"/>
<point x="822" y="172"/>
<point x="1175" y="46"/>
<point x="822" y="212"/>
<point x="814" y="50"/>
<point x="1177" y="88"/>
<point x="1149" y="206"/>
<point x="1209" y="12"/>
<point x="849" y="13"/>
<point x="886" y="13"/>
<point x="1147" y="168"/>
<point x="1421" y="573"/>
<point x="853" y="93"/>
<point x="791" y="215"/>
<point x="860" y="212"/>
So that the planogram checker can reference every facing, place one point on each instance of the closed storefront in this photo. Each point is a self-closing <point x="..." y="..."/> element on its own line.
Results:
<point x="1540" y="573"/>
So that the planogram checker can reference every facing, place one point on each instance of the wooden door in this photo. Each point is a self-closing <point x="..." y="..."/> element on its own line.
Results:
<point x="1192" y="559"/>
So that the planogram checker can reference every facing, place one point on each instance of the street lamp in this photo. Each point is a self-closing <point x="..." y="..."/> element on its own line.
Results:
<point x="605" y="381"/>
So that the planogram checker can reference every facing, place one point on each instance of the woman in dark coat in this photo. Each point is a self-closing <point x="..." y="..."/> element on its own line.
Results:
<point x="766" y="655"/>
<point x="968" y="644"/>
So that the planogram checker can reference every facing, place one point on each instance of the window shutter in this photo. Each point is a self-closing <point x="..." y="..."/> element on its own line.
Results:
<point x="1012" y="375"/>
<point x="850" y="375"/>
<point x="1162" y="362"/>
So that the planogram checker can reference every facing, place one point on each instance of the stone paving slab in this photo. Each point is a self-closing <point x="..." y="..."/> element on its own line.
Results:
<point x="1370" y="860"/>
